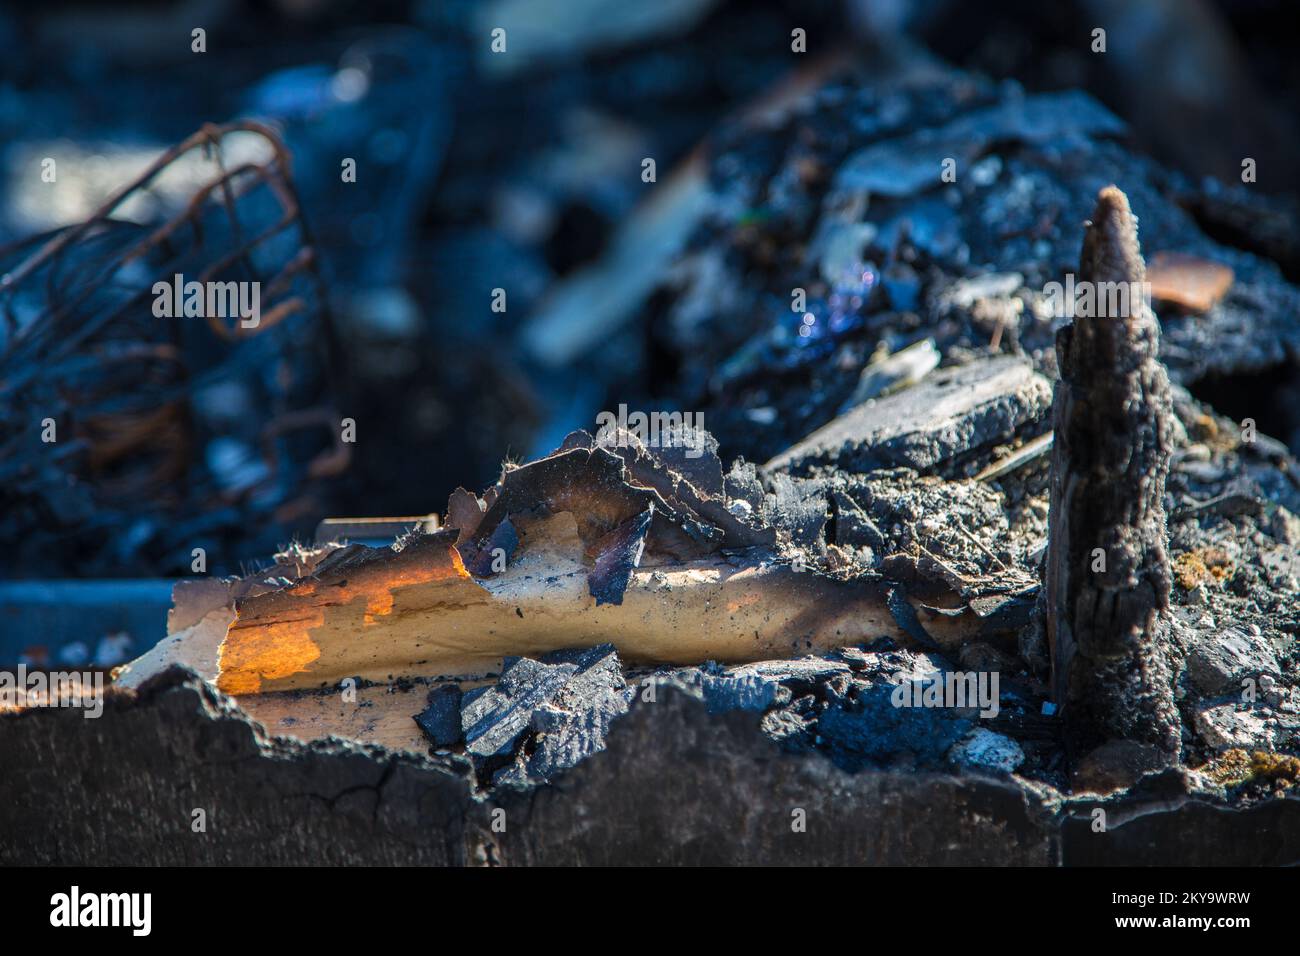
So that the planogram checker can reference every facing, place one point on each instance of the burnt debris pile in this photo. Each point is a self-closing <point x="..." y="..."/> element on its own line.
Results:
<point x="966" y="473"/>
<point x="1124" y="558"/>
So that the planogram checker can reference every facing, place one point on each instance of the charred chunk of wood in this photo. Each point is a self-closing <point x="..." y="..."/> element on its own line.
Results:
<point x="440" y="720"/>
<point x="1108" y="575"/>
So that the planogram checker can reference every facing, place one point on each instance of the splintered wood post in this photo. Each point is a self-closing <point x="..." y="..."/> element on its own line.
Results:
<point x="1108" y="573"/>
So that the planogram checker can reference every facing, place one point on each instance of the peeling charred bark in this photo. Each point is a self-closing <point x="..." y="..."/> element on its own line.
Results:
<point x="1108" y="574"/>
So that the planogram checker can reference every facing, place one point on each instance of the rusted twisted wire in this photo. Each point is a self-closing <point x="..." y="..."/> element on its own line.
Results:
<point x="80" y="343"/>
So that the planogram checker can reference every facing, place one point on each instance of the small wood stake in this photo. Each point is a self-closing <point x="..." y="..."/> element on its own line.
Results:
<point x="1108" y="574"/>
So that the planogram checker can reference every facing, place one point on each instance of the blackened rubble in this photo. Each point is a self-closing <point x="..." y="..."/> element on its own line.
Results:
<point x="885" y="261"/>
<point x="943" y="492"/>
<point x="1235" y="551"/>
<point x="848" y="707"/>
<point x="961" y="545"/>
<point x="861" y="708"/>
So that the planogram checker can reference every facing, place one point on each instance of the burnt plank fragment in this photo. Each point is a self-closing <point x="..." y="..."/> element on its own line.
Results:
<point x="494" y="718"/>
<point x="695" y="483"/>
<point x="936" y="427"/>
<point x="574" y="723"/>
<point x="591" y="483"/>
<point x="1108" y="573"/>
<point x="544" y="715"/>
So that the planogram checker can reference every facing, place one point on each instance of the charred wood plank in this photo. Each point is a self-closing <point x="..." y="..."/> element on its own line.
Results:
<point x="606" y="543"/>
<point x="941" y="425"/>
